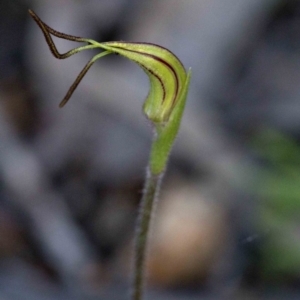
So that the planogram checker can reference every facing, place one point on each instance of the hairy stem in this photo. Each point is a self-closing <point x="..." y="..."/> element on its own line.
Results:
<point x="150" y="195"/>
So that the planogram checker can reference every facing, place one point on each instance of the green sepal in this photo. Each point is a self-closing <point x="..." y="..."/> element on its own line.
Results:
<point x="166" y="134"/>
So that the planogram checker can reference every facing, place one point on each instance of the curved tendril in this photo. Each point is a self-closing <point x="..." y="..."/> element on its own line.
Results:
<point x="56" y="33"/>
<point x="48" y="30"/>
<point x="80" y="76"/>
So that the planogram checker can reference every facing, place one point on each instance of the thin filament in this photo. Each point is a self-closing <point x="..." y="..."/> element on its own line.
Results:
<point x="80" y="76"/>
<point x="48" y="30"/>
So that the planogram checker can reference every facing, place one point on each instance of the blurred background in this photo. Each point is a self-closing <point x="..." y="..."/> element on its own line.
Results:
<point x="227" y="225"/>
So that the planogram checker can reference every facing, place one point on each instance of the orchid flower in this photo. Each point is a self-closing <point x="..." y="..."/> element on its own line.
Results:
<point x="164" y="106"/>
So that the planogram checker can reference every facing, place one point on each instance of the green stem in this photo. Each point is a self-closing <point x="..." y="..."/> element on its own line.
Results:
<point x="149" y="198"/>
<point x="161" y="147"/>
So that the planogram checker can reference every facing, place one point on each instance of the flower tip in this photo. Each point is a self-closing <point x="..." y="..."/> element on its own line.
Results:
<point x="63" y="103"/>
<point x="32" y="13"/>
